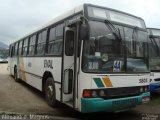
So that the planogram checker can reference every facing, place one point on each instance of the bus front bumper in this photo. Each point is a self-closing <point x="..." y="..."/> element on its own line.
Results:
<point x="89" y="105"/>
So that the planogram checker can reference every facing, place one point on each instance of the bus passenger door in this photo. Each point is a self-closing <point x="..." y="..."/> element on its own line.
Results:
<point x="68" y="67"/>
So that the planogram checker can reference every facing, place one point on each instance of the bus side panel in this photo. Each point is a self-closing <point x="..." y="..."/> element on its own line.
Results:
<point x="33" y="69"/>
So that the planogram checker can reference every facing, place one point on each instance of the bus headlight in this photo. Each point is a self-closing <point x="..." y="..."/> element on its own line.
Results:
<point x="146" y="88"/>
<point x="94" y="94"/>
<point x="88" y="93"/>
<point x="101" y="93"/>
<point x="141" y="89"/>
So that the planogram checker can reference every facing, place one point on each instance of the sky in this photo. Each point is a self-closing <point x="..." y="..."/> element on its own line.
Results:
<point x="19" y="17"/>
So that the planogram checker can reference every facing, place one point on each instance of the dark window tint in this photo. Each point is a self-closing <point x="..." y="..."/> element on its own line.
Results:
<point x="41" y="42"/>
<point x="20" y="48"/>
<point x="12" y="51"/>
<point x="32" y="45"/>
<point x="55" y="47"/>
<point x="10" y="47"/>
<point x="16" y="49"/>
<point x="25" y="46"/>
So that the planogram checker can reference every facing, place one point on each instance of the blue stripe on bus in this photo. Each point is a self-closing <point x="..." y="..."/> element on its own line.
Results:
<point x="98" y="82"/>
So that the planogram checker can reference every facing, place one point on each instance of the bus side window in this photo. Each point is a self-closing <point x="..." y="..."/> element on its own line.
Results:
<point x="20" y="48"/>
<point x="55" y="40"/>
<point x="32" y="45"/>
<point x="16" y="49"/>
<point x="25" y="46"/>
<point x="12" y="51"/>
<point x="59" y="37"/>
<point x="52" y="37"/>
<point x="40" y="48"/>
<point x="60" y="47"/>
<point x="59" y="31"/>
<point x="56" y="47"/>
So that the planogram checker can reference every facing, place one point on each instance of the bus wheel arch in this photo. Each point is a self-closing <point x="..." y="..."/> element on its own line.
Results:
<point x="48" y="88"/>
<point x="46" y="75"/>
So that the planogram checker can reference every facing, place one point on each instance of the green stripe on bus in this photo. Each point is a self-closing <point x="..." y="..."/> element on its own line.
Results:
<point x="98" y="82"/>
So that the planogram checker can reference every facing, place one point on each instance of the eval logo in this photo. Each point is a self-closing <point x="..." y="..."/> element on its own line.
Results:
<point x="48" y="64"/>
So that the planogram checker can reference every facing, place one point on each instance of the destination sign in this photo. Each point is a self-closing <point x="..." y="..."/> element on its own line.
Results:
<point x="115" y="16"/>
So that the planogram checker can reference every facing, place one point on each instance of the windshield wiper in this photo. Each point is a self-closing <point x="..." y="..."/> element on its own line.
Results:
<point x="113" y="29"/>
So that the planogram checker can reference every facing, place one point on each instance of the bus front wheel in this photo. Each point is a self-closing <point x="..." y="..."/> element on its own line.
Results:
<point x="50" y="92"/>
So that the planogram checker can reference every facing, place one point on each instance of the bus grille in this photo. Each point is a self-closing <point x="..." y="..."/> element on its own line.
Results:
<point x="121" y="92"/>
<point x="127" y="91"/>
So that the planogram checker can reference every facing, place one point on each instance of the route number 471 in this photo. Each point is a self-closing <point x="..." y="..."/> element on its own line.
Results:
<point x="117" y="66"/>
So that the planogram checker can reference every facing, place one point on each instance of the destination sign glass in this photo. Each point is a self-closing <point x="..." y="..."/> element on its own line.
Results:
<point x="115" y="16"/>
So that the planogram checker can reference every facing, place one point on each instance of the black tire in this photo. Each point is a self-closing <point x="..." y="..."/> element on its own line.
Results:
<point x="50" y="92"/>
<point x="15" y="75"/>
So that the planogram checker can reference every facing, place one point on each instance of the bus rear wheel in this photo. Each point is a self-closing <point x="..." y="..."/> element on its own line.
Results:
<point x="50" y="92"/>
<point x="15" y="75"/>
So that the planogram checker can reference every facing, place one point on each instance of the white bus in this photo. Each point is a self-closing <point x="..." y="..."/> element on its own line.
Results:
<point x="91" y="58"/>
<point x="154" y="35"/>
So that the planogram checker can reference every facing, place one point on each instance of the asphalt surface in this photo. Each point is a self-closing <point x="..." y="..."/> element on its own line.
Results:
<point x="21" y="101"/>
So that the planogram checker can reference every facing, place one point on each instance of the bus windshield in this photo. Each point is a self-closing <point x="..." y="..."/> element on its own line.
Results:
<point x="155" y="53"/>
<point x="104" y="52"/>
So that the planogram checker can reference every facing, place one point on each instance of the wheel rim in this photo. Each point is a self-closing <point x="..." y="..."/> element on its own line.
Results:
<point x="50" y="93"/>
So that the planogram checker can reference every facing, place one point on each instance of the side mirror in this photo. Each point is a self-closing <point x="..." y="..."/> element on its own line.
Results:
<point x="84" y="31"/>
<point x="69" y="43"/>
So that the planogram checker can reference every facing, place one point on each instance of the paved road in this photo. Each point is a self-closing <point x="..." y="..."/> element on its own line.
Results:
<point x="20" y="98"/>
